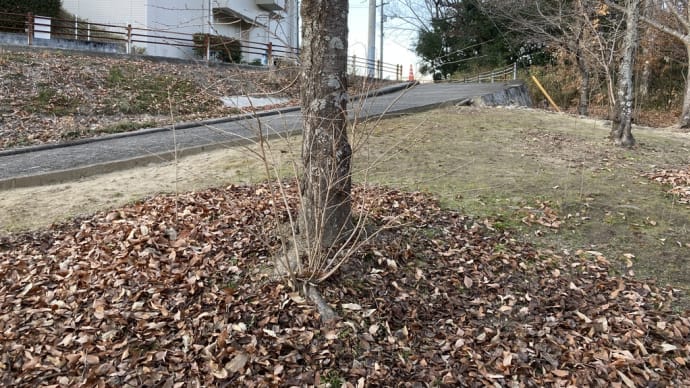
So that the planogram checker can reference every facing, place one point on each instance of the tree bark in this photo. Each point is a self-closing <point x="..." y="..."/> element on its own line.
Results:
<point x="685" y="115"/>
<point x="621" y="130"/>
<point x="326" y="152"/>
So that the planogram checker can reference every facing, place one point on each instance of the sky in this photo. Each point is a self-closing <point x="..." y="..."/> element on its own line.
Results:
<point x="397" y="43"/>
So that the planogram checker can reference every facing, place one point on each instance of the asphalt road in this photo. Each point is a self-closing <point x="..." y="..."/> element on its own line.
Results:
<point x="46" y="164"/>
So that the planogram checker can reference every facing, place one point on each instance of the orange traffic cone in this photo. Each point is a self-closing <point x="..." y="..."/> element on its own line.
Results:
<point x="410" y="77"/>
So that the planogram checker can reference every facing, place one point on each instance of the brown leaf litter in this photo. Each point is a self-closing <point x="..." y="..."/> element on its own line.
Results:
<point x="177" y="291"/>
<point x="678" y="179"/>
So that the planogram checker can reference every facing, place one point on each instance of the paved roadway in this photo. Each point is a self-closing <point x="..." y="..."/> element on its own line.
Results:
<point x="45" y="164"/>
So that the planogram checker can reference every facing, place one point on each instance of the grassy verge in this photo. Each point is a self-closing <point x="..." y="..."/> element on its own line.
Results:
<point x="553" y="178"/>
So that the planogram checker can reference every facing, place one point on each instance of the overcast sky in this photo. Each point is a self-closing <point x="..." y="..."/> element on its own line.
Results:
<point x="397" y="42"/>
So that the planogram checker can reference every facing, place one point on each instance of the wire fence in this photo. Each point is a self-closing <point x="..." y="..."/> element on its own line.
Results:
<point x="133" y="40"/>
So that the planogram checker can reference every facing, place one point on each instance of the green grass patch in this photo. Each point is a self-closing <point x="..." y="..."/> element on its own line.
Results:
<point x="133" y="93"/>
<point x="49" y="100"/>
<point x="504" y="165"/>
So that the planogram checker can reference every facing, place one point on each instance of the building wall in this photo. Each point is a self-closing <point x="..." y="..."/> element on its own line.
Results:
<point x="173" y="17"/>
<point x="189" y="17"/>
<point x="278" y="31"/>
<point x="109" y="12"/>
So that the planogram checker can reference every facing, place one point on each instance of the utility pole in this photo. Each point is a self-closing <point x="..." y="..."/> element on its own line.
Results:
<point x="210" y="17"/>
<point x="295" y="30"/>
<point x="383" y="16"/>
<point x="209" y="21"/>
<point x="371" y="41"/>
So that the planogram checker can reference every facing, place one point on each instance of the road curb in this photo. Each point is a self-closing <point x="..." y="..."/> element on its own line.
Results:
<point x="71" y="174"/>
<point x="191" y="124"/>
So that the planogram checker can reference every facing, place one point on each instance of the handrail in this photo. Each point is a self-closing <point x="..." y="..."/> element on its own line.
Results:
<point x="128" y="35"/>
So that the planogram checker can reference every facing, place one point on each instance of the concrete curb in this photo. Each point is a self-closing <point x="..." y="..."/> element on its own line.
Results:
<point x="59" y="176"/>
<point x="191" y="124"/>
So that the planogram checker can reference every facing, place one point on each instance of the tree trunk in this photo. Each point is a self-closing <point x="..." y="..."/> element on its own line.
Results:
<point x="582" y="65"/>
<point x="685" y="115"/>
<point x="649" y="34"/>
<point x="583" y="104"/>
<point x="621" y="130"/>
<point x="326" y="152"/>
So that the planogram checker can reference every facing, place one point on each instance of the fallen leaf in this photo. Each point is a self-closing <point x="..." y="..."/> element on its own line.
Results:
<point x="583" y="317"/>
<point x="237" y="363"/>
<point x="351" y="306"/>
<point x="666" y="347"/>
<point x="507" y="359"/>
<point x="629" y="383"/>
<point x="560" y="372"/>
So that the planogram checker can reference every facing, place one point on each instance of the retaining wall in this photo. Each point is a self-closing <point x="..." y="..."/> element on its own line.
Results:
<point x="64" y="44"/>
<point x="515" y="94"/>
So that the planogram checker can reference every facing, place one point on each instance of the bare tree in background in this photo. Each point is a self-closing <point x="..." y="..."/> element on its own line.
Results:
<point x="621" y="130"/>
<point x="673" y="18"/>
<point x="416" y="14"/>
<point x="575" y="26"/>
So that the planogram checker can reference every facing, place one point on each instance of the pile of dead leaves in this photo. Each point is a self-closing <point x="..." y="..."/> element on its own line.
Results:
<point x="178" y="291"/>
<point x="543" y="215"/>
<point x="678" y="179"/>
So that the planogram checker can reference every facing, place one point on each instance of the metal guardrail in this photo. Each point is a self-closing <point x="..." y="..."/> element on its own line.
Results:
<point x="127" y="37"/>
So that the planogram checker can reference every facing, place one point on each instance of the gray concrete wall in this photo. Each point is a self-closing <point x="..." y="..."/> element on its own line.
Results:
<point x="65" y="44"/>
<point x="515" y="94"/>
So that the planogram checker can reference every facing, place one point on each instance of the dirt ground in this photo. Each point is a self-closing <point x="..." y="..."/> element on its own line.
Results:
<point x="553" y="178"/>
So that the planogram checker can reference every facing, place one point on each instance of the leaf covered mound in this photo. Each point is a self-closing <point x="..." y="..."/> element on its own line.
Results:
<point x="178" y="291"/>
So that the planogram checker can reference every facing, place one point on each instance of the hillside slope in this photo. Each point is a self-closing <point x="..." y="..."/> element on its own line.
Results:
<point x="52" y="96"/>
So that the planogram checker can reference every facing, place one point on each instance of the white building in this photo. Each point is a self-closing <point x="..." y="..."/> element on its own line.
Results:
<point x="254" y="22"/>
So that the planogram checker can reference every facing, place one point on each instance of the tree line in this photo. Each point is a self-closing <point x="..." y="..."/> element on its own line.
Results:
<point x="621" y="50"/>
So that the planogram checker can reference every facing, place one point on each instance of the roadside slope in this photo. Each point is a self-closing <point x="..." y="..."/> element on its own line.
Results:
<point x="53" y="96"/>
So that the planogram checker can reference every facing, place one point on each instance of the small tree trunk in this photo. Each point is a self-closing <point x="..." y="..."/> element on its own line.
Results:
<point x="583" y="104"/>
<point x="582" y="65"/>
<point x="326" y="152"/>
<point x="685" y="115"/>
<point x="650" y="35"/>
<point x="621" y="130"/>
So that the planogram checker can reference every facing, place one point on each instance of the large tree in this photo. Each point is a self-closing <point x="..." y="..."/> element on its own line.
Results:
<point x="326" y="152"/>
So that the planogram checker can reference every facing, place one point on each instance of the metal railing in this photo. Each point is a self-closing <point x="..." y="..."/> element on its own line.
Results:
<point x="126" y="39"/>
<point x="377" y="69"/>
<point x="503" y="74"/>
